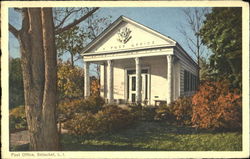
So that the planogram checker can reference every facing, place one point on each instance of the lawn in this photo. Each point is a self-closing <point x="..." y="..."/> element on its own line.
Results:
<point x="156" y="136"/>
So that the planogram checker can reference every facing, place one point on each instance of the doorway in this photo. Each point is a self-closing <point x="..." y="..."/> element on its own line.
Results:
<point x="131" y="85"/>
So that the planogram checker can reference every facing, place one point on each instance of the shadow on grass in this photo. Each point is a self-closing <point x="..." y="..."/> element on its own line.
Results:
<point x="133" y="139"/>
<point x="89" y="147"/>
<point x="143" y="136"/>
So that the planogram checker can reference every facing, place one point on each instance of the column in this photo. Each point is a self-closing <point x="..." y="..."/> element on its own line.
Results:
<point x="86" y="80"/>
<point x="138" y="79"/>
<point x="169" y="76"/>
<point x="110" y="82"/>
<point x="103" y="80"/>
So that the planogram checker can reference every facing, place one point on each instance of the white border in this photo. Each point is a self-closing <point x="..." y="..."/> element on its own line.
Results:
<point x="128" y="154"/>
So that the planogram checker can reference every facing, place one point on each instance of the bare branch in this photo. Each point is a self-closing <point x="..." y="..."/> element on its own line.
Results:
<point x="75" y="22"/>
<point x="13" y="30"/>
<point x="66" y="17"/>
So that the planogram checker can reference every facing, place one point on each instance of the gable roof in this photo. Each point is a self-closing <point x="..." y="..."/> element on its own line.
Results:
<point x="119" y="21"/>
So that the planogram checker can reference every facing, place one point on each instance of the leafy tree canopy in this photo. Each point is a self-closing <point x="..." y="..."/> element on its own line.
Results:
<point x="16" y="94"/>
<point x="222" y="33"/>
<point x="70" y="81"/>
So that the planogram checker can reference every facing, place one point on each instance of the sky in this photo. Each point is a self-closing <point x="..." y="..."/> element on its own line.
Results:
<point x="165" y="20"/>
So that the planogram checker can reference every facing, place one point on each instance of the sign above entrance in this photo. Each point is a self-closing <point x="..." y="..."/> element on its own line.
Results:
<point x="124" y="35"/>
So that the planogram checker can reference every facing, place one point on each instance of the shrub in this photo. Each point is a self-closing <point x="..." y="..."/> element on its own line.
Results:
<point x="179" y="111"/>
<point x="215" y="106"/>
<point x="163" y="113"/>
<point x="94" y="87"/>
<point x="113" y="118"/>
<point x="144" y="113"/>
<point x="81" y="124"/>
<point x="109" y="119"/>
<point x="92" y="104"/>
<point x="17" y="119"/>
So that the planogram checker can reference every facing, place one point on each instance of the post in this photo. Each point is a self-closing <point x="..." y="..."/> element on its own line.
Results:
<point x="169" y="76"/>
<point x="110" y="82"/>
<point x="138" y="80"/>
<point x="86" y="80"/>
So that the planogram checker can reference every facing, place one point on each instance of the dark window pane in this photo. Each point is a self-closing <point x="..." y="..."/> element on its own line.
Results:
<point x="128" y="86"/>
<point x="131" y="72"/>
<point x="133" y="97"/>
<point x="133" y="83"/>
<point x="144" y="71"/>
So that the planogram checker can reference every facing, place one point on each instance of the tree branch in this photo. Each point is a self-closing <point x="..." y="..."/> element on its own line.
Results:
<point x="75" y="22"/>
<point x="64" y="19"/>
<point x="13" y="30"/>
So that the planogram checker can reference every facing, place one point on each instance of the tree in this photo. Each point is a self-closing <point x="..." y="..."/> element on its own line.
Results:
<point x="70" y="81"/>
<point x="39" y="67"/>
<point x="94" y="86"/>
<point x="71" y="41"/>
<point x="194" y="21"/>
<point x="204" y="69"/>
<point x="222" y="33"/>
<point x="16" y="94"/>
<point x="75" y="39"/>
<point x="95" y="26"/>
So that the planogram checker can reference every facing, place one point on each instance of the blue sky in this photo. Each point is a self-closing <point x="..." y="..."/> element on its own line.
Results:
<point x="162" y="19"/>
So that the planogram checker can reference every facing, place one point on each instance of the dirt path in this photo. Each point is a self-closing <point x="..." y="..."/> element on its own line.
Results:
<point x="22" y="137"/>
<point x="19" y="138"/>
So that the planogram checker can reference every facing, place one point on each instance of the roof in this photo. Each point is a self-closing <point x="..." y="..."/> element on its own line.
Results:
<point x="128" y="20"/>
<point x="116" y="23"/>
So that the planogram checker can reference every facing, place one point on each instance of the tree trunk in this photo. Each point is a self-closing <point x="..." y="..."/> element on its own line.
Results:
<point x="39" y="73"/>
<point x="72" y="59"/>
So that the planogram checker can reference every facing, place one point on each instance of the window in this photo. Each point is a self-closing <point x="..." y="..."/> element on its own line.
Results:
<point x="133" y="83"/>
<point x="185" y="81"/>
<point x="190" y="81"/>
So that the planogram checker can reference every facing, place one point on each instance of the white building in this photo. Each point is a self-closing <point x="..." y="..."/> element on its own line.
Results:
<point x="139" y="64"/>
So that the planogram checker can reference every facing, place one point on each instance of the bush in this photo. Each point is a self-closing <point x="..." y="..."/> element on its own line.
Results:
<point x="215" y="106"/>
<point x="81" y="124"/>
<point x="92" y="104"/>
<point x="113" y="118"/>
<point x="144" y="113"/>
<point x="109" y="119"/>
<point x="179" y="111"/>
<point x="17" y="119"/>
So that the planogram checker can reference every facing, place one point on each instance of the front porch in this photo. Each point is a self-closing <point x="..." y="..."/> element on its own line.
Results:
<point x="147" y="80"/>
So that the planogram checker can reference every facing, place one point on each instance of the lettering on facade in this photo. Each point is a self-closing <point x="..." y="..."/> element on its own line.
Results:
<point x="132" y="45"/>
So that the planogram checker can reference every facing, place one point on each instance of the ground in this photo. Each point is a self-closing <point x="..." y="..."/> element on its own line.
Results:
<point x="152" y="136"/>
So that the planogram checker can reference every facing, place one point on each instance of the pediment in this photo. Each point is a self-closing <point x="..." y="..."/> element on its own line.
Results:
<point x="126" y="34"/>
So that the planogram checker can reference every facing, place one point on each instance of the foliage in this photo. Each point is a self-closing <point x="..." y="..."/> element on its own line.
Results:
<point x="222" y="33"/>
<point x="95" y="87"/>
<point x="16" y="90"/>
<point x="144" y="113"/>
<point x="110" y="119"/>
<point x="69" y="108"/>
<point x="70" y="81"/>
<point x="216" y="107"/>
<point x="72" y="41"/>
<point x="17" y="119"/>
<point x="179" y="111"/>
<point x="204" y="70"/>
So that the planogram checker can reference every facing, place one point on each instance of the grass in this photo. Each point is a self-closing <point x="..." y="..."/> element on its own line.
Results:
<point x="156" y="136"/>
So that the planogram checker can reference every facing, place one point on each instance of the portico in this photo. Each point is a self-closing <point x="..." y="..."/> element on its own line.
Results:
<point x="139" y="65"/>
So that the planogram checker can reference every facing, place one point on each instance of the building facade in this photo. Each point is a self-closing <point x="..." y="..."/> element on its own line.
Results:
<point x="139" y="65"/>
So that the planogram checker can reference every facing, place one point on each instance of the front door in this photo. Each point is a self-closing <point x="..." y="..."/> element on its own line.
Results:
<point x="132" y="87"/>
